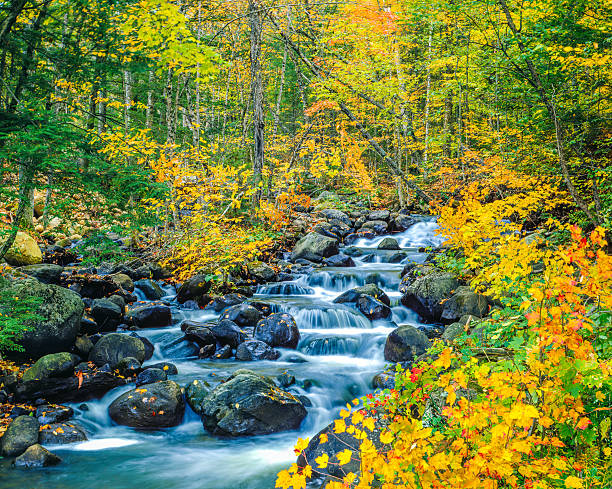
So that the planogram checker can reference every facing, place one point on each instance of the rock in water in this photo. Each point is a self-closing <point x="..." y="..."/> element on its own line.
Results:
<point x="261" y="272"/>
<point x="279" y="329"/>
<point x="150" y="289"/>
<point x="53" y="365"/>
<point x="61" y="434"/>
<point x="388" y="244"/>
<point x="114" y="347"/>
<point x="243" y="315"/>
<point x="150" y="316"/>
<point x="60" y="317"/>
<point x="255" y="350"/>
<point x="405" y="344"/>
<point x="373" y="308"/>
<point x="249" y="404"/>
<point x="426" y="294"/>
<point x="20" y="434"/>
<point x="23" y="251"/>
<point x="315" y="247"/>
<point x="193" y="289"/>
<point x="353" y="295"/>
<point x="195" y="392"/>
<point x="159" y="405"/>
<point x="36" y="456"/>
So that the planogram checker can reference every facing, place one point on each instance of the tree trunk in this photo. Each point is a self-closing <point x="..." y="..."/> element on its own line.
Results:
<point x="127" y="98"/>
<point x="256" y="26"/>
<point x="26" y="180"/>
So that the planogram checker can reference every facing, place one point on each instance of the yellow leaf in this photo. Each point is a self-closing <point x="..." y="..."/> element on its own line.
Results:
<point x="344" y="457"/>
<point x="322" y="461"/>
<point x="573" y="482"/>
<point x="386" y="437"/>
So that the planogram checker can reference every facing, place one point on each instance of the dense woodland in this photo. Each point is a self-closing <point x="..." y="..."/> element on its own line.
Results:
<point x="208" y="136"/>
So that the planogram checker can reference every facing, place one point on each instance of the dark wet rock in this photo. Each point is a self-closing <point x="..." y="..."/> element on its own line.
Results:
<point x="353" y="251"/>
<point x="118" y="300"/>
<point x="405" y="344"/>
<point x="227" y="332"/>
<point x="340" y="260"/>
<point x="315" y="247"/>
<point x="195" y="392"/>
<point x="36" y="456"/>
<point x="169" y="368"/>
<point x="278" y="330"/>
<point x="153" y="315"/>
<point x="360" y="234"/>
<point x="53" y="365"/>
<point x="20" y="434"/>
<point x="61" y="434"/>
<point x="388" y="244"/>
<point x="148" y="346"/>
<point x="150" y="289"/>
<point x="88" y="326"/>
<point x="255" y="350"/>
<point x="372" y="308"/>
<point x="353" y="295"/>
<point x="224" y="353"/>
<point x="107" y="314"/>
<point x="333" y="214"/>
<point x="128" y="366"/>
<point x="207" y="351"/>
<point x="403" y="222"/>
<point x="464" y="302"/>
<point x="90" y="285"/>
<point x="150" y="376"/>
<point x="46" y="414"/>
<point x="249" y="404"/>
<point x="114" y="347"/>
<point x="261" y="271"/>
<point x="158" y="405"/>
<point x="61" y="311"/>
<point x="285" y="380"/>
<point x="82" y="346"/>
<point x="200" y="335"/>
<point x="397" y="257"/>
<point x="190" y="305"/>
<point x="426" y="294"/>
<point x="377" y="227"/>
<point x="379" y="215"/>
<point x="46" y="273"/>
<point x="123" y="280"/>
<point x="194" y="288"/>
<point x="242" y="315"/>
<point x="218" y="304"/>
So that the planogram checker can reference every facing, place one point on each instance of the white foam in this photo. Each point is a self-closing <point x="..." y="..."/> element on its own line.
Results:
<point x="103" y="444"/>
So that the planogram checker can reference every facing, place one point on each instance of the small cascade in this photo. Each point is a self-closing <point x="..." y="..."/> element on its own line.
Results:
<point x="284" y="288"/>
<point x="330" y="318"/>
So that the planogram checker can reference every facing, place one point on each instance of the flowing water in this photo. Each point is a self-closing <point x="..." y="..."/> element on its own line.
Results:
<point x="338" y="354"/>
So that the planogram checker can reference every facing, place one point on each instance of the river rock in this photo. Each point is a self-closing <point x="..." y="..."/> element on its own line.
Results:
<point x="159" y="405"/>
<point x="193" y="289"/>
<point x="426" y="294"/>
<point x="261" y="271"/>
<point x="379" y="215"/>
<point x="249" y="404"/>
<point x="372" y="308"/>
<point x="378" y="227"/>
<point x="339" y="260"/>
<point x="47" y="273"/>
<point x="53" y="365"/>
<point x="315" y="247"/>
<point x="464" y="302"/>
<point x="23" y="251"/>
<point x="201" y="336"/>
<point x="153" y="315"/>
<point x="353" y="295"/>
<point x="114" y="347"/>
<point x="388" y="244"/>
<point x="333" y="214"/>
<point x="361" y="234"/>
<point x="150" y="376"/>
<point x="195" y="392"/>
<point x="61" y="434"/>
<point x="20" y="434"/>
<point x="405" y="344"/>
<point x="47" y="414"/>
<point x="123" y="280"/>
<point x="150" y="289"/>
<point x="243" y="315"/>
<point x="224" y="353"/>
<point x="60" y="317"/>
<point x="107" y="314"/>
<point x="218" y="304"/>
<point x="278" y="330"/>
<point x="128" y="366"/>
<point x="169" y="368"/>
<point x="403" y="222"/>
<point x="452" y="332"/>
<point x="227" y="332"/>
<point x="36" y="456"/>
<point x="255" y="350"/>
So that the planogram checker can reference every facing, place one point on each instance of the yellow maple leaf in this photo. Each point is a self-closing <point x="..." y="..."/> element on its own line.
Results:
<point x="573" y="482"/>
<point x="344" y="457"/>
<point x="386" y="437"/>
<point x="322" y="461"/>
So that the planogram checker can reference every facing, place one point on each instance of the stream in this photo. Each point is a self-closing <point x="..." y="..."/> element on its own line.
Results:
<point x="339" y="353"/>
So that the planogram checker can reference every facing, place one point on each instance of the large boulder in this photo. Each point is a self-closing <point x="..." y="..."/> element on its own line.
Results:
<point x="379" y="215"/>
<point x="372" y="308"/>
<point x="153" y="315"/>
<point x="52" y="365"/>
<point x="340" y="260"/>
<point x="200" y="335"/>
<point x="150" y="289"/>
<point x="159" y="405"/>
<point x="333" y="214"/>
<point x="353" y="295"/>
<point x="123" y="280"/>
<point x="464" y="302"/>
<point x="405" y="344"/>
<point x="47" y="273"/>
<point x="227" y="332"/>
<point x="114" y="347"/>
<point x="193" y="289"/>
<point x="255" y="350"/>
<point x="218" y="304"/>
<point x="107" y="314"/>
<point x="243" y="315"/>
<point x="261" y="271"/>
<point x="20" y="434"/>
<point x="23" y="251"/>
<point x="195" y="392"/>
<point x="388" y="244"/>
<point x="426" y="294"/>
<point x="59" y="314"/>
<point x="378" y="227"/>
<point x="315" y="247"/>
<point x="61" y="434"/>
<point x="403" y="222"/>
<point x="249" y="404"/>
<point x="279" y="329"/>
<point x="36" y="456"/>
